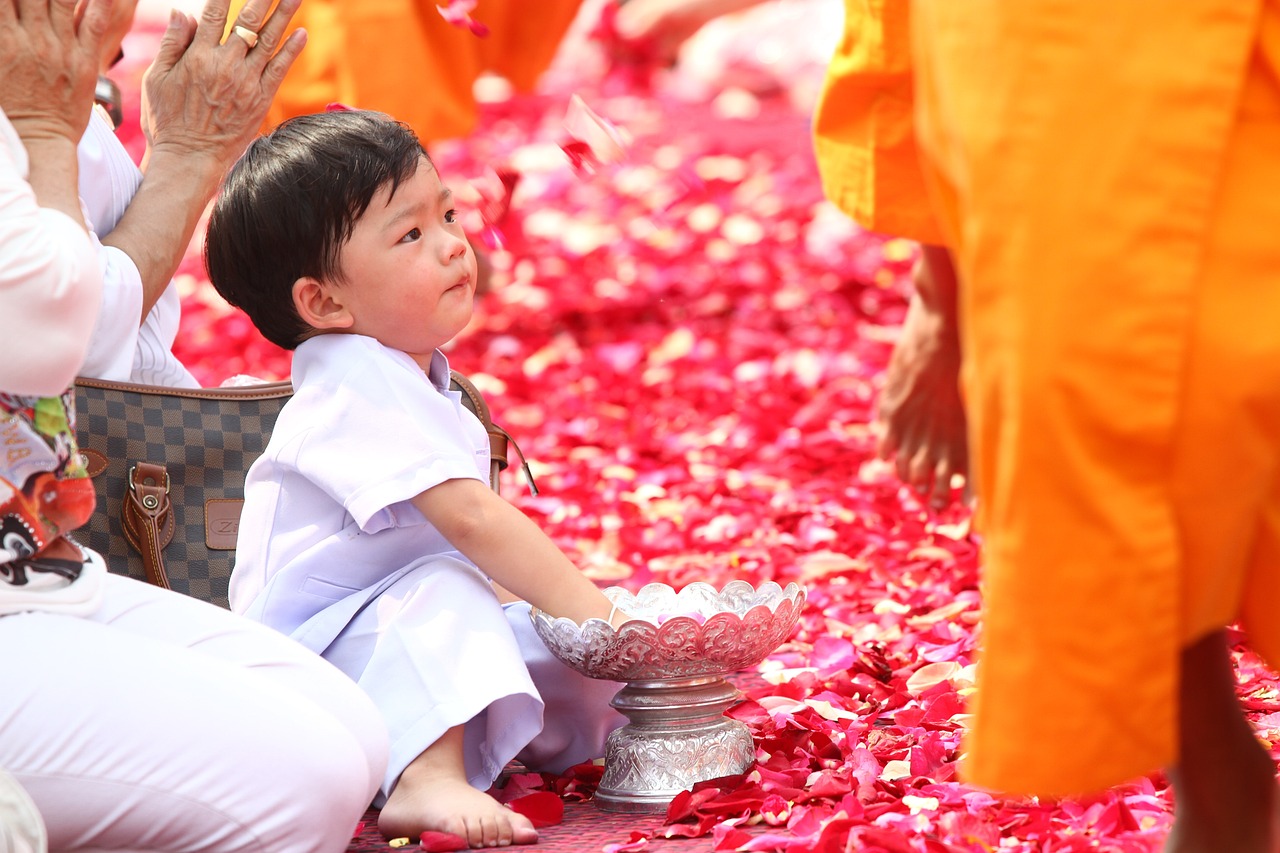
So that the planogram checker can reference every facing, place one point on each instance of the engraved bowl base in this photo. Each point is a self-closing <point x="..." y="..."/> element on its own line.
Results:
<point x="677" y="735"/>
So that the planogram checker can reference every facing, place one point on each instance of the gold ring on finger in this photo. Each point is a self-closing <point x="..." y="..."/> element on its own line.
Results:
<point x="249" y="36"/>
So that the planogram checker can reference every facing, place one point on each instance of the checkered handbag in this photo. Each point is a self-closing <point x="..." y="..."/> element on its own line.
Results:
<point x="169" y="464"/>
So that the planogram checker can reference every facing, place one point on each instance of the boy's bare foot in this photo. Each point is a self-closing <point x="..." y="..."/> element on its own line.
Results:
<point x="453" y="806"/>
<point x="433" y="795"/>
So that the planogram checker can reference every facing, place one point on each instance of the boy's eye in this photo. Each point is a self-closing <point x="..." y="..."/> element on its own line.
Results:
<point x="413" y="235"/>
<point x="451" y="216"/>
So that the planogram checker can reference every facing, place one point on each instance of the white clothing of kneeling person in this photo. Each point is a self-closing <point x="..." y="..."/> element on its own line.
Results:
<point x="369" y="532"/>
<point x="134" y="718"/>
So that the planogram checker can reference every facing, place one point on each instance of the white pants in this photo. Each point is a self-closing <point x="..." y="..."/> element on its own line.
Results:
<point x="167" y="724"/>
<point x="436" y="650"/>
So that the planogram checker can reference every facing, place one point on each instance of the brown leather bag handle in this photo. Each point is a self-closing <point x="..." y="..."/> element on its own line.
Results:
<point x="499" y="438"/>
<point x="148" y="517"/>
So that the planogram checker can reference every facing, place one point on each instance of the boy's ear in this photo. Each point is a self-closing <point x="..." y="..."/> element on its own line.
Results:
<point x="319" y="306"/>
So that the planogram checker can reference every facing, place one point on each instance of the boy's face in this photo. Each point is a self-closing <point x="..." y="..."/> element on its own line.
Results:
<point x="410" y="275"/>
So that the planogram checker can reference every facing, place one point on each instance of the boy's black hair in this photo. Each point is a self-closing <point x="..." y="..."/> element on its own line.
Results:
<point x="289" y="205"/>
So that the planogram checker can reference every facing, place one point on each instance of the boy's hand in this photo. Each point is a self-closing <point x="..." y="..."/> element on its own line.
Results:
<point x="208" y="97"/>
<point x="49" y="65"/>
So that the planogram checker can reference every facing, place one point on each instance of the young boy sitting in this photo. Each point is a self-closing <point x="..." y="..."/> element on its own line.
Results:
<point x="369" y="532"/>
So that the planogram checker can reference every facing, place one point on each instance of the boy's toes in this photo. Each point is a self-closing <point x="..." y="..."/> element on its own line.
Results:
<point x="522" y="831"/>
<point x="502" y="830"/>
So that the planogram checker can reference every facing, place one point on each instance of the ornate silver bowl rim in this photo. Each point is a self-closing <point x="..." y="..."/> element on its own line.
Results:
<point x="698" y="631"/>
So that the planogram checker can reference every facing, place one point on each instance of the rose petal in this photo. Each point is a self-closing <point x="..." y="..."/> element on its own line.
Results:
<point x="442" y="842"/>
<point x="542" y="808"/>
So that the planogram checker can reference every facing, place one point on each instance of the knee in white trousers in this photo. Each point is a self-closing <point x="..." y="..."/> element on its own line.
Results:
<point x="164" y="723"/>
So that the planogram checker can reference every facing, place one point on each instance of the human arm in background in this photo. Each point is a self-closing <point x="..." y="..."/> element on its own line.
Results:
<point x="667" y="24"/>
<point x="49" y="280"/>
<point x="920" y="415"/>
<point x="203" y="101"/>
<point x="509" y="548"/>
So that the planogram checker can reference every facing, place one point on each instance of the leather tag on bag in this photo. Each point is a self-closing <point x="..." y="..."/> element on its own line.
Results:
<point x="94" y="462"/>
<point x="222" y="523"/>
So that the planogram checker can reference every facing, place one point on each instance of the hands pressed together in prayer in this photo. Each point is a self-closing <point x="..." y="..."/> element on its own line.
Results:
<point x="49" y="65"/>
<point x="203" y="100"/>
<point x="207" y="96"/>
<point x="48" y="61"/>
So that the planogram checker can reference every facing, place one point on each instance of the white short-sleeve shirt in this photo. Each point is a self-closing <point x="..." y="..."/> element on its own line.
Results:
<point x="328" y="511"/>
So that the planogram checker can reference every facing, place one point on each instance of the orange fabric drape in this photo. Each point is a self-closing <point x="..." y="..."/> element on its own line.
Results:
<point x="1109" y="182"/>
<point x="402" y="58"/>
<point x="864" y="128"/>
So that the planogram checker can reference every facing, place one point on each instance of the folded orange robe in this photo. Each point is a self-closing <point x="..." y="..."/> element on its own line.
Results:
<point x="1108" y="178"/>
<point x="864" y="127"/>
<point x="402" y="58"/>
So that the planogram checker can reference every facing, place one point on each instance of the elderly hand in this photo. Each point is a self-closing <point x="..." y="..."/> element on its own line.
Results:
<point x="206" y="97"/>
<point x="49" y="65"/>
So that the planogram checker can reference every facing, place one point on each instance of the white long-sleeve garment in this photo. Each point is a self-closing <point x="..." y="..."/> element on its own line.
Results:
<point x="48" y="270"/>
<point x="120" y="349"/>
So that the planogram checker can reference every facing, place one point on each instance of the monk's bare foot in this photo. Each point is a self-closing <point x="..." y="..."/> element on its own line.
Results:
<point x="447" y="804"/>
<point x="1224" y="786"/>
<point x="1245" y="821"/>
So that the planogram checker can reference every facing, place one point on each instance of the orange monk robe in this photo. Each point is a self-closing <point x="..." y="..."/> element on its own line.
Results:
<point x="402" y="58"/>
<point x="1109" y="181"/>
<point x="864" y="129"/>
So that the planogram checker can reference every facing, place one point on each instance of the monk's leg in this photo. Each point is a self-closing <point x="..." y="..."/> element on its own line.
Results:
<point x="1224" y="785"/>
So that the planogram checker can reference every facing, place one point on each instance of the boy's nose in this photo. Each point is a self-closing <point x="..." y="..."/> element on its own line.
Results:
<point x="454" y="246"/>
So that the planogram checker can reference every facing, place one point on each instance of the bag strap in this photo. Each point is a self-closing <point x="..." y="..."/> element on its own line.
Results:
<point x="499" y="438"/>
<point x="148" y="517"/>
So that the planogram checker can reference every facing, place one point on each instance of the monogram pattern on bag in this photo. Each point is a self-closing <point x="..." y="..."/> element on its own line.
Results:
<point x="207" y="439"/>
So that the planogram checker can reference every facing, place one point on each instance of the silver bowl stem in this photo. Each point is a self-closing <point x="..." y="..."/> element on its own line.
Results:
<point x="677" y="735"/>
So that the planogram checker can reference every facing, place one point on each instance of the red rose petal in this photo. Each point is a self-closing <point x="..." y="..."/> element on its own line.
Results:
<point x="442" y="842"/>
<point x="542" y="808"/>
<point x="636" y="841"/>
<point x="458" y="13"/>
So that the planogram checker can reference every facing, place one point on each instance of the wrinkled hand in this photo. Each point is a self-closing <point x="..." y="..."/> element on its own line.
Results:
<point x="920" y="416"/>
<point x="206" y="97"/>
<point x="49" y="64"/>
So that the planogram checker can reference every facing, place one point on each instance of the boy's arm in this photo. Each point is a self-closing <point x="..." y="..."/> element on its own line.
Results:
<point x="508" y="547"/>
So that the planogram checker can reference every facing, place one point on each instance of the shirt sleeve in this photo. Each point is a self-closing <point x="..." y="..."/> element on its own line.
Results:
<point x="50" y="284"/>
<point x="115" y="334"/>
<point x="388" y="435"/>
<point x="120" y="349"/>
<point x="864" y="127"/>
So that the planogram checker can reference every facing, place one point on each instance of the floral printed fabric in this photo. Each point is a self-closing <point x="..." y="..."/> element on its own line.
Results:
<point x="44" y="493"/>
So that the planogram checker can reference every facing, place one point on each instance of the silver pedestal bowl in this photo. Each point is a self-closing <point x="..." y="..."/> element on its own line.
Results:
<point x="674" y="654"/>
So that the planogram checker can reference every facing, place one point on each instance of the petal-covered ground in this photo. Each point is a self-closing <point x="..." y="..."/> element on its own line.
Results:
<point x="687" y="340"/>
